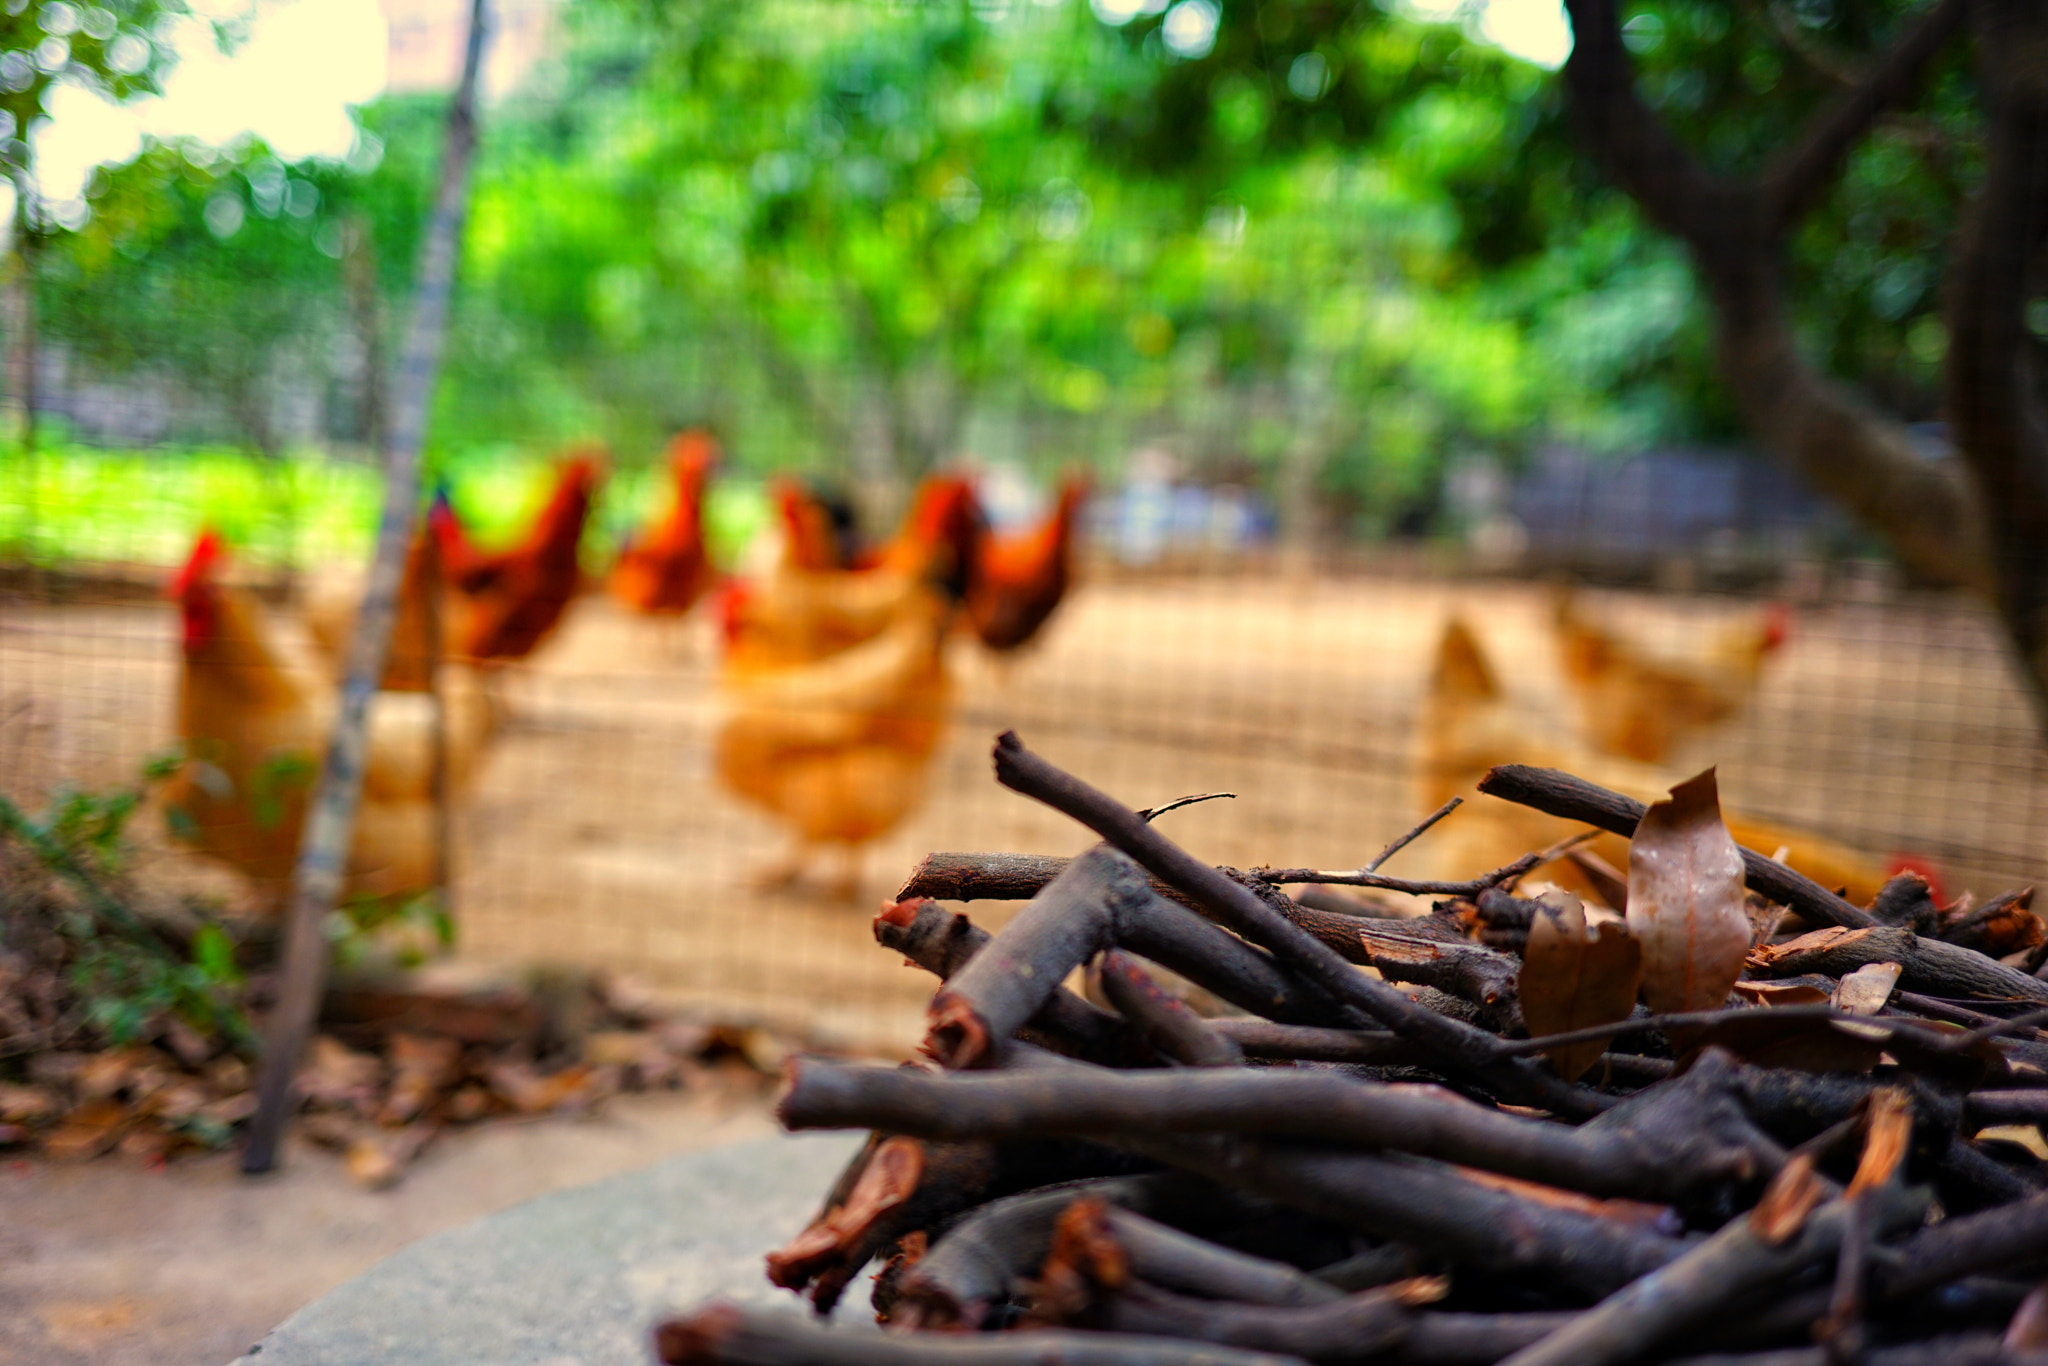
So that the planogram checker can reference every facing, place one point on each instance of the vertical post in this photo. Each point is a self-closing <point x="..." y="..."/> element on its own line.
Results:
<point x="27" y="357"/>
<point x="330" y="822"/>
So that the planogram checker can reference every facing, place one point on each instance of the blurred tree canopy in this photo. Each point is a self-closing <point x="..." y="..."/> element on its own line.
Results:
<point x="1321" y="245"/>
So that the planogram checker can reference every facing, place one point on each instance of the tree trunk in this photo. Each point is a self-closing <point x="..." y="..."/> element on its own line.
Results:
<point x="1993" y="398"/>
<point x="1976" y="522"/>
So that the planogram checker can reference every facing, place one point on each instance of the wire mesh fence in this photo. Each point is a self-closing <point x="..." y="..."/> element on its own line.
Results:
<point x="752" y="223"/>
<point x="599" y="833"/>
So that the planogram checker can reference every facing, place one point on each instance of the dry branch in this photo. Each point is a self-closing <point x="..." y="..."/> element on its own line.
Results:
<point x="1575" y="799"/>
<point x="1225" y="1205"/>
<point x="1240" y="910"/>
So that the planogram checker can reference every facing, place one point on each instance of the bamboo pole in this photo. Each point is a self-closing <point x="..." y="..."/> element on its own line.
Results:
<point x="323" y="851"/>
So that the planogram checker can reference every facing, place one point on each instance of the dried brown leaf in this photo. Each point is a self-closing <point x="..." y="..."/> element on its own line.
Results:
<point x="421" y="1069"/>
<point x="1791" y="1196"/>
<point x="1575" y="976"/>
<point x="231" y="1110"/>
<point x="1685" y="901"/>
<point x="337" y="1077"/>
<point x="88" y="1131"/>
<point x="228" y="1076"/>
<point x="329" y="1130"/>
<point x="148" y="1146"/>
<point x="532" y="1094"/>
<point x="370" y="1166"/>
<point x="1889" y="1134"/>
<point x="1865" y="991"/>
<point x="469" y="1103"/>
<point x="28" y="1104"/>
<point x="108" y="1074"/>
<point x="619" y="1047"/>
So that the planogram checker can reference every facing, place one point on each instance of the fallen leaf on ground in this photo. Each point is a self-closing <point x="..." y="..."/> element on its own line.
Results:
<point x="147" y="1145"/>
<point x="88" y="1131"/>
<point x="376" y="1161"/>
<point x="618" y="1047"/>
<point x="532" y="1094"/>
<point x="337" y="1077"/>
<point x="421" y="1069"/>
<point x="27" y="1104"/>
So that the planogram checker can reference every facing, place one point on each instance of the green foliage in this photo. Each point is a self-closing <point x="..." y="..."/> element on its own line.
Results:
<point x="409" y="930"/>
<point x="125" y="989"/>
<point x="873" y="237"/>
<point x="125" y="975"/>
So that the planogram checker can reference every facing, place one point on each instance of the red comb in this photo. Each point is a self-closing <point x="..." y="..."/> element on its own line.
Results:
<point x="731" y="600"/>
<point x="207" y="553"/>
<point x="1777" y="625"/>
<point x="694" y="447"/>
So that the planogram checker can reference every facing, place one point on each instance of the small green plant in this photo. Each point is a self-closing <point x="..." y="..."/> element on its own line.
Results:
<point x="412" y="927"/>
<point x="279" y="777"/>
<point x="125" y="973"/>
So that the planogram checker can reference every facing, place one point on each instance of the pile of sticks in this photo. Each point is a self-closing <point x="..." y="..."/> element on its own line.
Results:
<point x="1330" y="1165"/>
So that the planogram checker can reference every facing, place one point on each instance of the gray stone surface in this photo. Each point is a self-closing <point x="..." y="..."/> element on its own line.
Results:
<point x="576" y="1278"/>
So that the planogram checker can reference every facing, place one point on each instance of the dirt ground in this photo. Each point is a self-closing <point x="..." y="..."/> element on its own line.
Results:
<point x="598" y="835"/>
<point x="110" y="1264"/>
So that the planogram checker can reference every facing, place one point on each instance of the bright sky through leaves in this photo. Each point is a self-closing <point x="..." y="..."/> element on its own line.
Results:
<point x="290" y="84"/>
<point x="306" y="61"/>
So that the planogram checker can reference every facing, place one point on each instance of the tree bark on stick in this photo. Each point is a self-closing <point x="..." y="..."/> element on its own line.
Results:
<point x="323" y="849"/>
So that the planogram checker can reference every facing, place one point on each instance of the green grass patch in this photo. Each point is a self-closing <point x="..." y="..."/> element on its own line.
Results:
<point x="78" y="505"/>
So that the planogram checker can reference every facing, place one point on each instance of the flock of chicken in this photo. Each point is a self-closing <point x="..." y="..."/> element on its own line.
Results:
<point x="835" y="678"/>
<point x="834" y="665"/>
<point x="1636" y="712"/>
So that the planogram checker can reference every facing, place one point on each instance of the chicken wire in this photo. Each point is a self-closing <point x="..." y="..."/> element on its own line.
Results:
<point x="598" y="835"/>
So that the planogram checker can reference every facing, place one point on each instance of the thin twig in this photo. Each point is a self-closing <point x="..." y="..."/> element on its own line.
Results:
<point x="1505" y="876"/>
<point x="1153" y="813"/>
<point x="1415" y="832"/>
<point x="1939" y="1041"/>
<point x="1238" y="908"/>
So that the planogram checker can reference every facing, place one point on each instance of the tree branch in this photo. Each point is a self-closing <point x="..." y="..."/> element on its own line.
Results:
<point x="1806" y="169"/>
<point x="1870" y="464"/>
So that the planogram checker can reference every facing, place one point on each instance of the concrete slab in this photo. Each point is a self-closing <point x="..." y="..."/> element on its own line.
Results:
<point x="576" y="1278"/>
